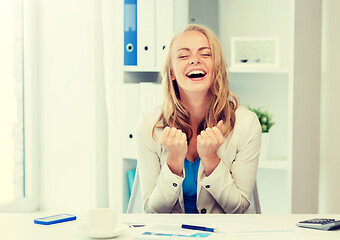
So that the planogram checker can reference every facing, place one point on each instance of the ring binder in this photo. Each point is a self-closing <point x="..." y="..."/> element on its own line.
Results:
<point x="146" y="33"/>
<point x="130" y="32"/>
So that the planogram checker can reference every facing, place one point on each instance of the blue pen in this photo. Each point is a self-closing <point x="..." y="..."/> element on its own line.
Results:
<point x="199" y="228"/>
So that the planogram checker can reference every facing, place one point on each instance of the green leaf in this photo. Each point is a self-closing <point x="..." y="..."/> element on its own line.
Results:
<point x="265" y="118"/>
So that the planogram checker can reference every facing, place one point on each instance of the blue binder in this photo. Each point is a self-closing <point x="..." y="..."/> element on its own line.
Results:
<point x="130" y="174"/>
<point x="130" y="32"/>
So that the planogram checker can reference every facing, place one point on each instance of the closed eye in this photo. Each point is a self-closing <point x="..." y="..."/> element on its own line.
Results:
<point x="184" y="56"/>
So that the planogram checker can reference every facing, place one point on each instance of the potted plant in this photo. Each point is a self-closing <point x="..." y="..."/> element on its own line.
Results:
<point x="265" y="119"/>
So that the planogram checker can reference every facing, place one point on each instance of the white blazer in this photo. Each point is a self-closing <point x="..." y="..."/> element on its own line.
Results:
<point x="227" y="189"/>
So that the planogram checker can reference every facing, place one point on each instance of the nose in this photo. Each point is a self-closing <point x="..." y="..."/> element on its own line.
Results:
<point x="194" y="60"/>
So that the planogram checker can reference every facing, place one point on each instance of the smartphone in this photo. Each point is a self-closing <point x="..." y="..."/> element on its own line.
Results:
<point x="55" y="219"/>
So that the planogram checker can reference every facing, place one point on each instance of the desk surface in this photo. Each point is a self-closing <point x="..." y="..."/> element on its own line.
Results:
<point x="21" y="226"/>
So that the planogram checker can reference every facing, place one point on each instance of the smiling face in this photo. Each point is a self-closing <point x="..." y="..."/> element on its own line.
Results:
<point x="191" y="62"/>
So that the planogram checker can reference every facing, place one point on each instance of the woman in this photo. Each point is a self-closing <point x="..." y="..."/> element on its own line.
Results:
<point x="199" y="152"/>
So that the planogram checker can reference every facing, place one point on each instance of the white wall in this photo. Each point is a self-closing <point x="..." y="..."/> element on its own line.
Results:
<point x="66" y="72"/>
<point x="8" y="102"/>
<point x="329" y="197"/>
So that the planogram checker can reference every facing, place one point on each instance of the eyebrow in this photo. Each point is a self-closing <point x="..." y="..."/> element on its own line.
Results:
<point x="188" y="49"/>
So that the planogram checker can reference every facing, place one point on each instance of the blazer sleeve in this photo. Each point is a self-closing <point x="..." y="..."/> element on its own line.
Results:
<point x="232" y="186"/>
<point x="159" y="186"/>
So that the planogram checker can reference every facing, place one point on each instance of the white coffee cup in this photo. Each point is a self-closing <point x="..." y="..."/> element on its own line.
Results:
<point x="101" y="220"/>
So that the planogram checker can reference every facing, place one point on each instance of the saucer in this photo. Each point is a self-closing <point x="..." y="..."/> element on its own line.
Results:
<point x="104" y="234"/>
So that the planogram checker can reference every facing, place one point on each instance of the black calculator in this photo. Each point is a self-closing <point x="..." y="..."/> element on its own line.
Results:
<point x="320" y="223"/>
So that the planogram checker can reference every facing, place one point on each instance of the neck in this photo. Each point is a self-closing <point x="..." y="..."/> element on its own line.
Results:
<point x="196" y="104"/>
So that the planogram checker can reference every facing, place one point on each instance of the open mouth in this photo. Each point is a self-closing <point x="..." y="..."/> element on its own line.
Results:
<point x="196" y="74"/>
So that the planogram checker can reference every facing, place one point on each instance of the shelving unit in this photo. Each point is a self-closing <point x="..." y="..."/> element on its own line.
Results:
<point x="275" y="89"/>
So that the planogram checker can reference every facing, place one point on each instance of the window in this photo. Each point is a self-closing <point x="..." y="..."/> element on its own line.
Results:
<point x="16" y="166"/>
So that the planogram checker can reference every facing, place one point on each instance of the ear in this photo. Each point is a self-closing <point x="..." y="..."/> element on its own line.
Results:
<point x="172" y="75"/>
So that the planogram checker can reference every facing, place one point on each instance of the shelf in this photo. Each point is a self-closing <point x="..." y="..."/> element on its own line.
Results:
<point x="130" y="158"/>
<point x="257" y="70"/>
<point x="141" y="69"/>
<point x="231" y="69"/>
<point x="274" y="163"/>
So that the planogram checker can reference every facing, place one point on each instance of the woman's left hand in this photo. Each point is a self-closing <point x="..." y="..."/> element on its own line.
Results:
<point x="208" y="142"/>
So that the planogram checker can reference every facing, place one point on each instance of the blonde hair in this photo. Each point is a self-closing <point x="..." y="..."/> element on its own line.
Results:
<point x="222" y="103"/>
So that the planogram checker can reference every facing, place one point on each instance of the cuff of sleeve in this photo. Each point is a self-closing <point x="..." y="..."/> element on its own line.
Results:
<point x="215" y="177"/>
<point x="170" y="183"/>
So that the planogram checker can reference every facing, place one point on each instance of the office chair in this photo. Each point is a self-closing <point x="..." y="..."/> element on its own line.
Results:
<point x="255" y="207"/>
<point x="136" y="204"/>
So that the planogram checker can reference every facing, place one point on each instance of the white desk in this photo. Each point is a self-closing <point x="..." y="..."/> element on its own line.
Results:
<point x="21" y="226"/>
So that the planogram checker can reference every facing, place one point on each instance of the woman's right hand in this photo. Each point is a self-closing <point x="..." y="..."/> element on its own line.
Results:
<point x="175" y="141"/>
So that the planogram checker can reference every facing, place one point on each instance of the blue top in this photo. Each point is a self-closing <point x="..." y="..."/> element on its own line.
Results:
<point x="189" y="185"/>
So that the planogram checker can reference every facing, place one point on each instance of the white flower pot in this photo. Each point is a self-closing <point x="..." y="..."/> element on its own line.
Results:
<point x="264" y="146"/>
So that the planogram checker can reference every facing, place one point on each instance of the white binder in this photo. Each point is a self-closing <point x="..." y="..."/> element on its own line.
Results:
<point x="150" y="96"/>
<point x="164" y="28"/>
<point x="146" y="97"/>
<point x="181" y="14"/>
<point x="159" y="96"/>
<point x="131" y="114"/>
<point x="146" y="49"/>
